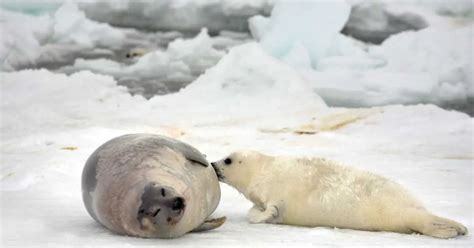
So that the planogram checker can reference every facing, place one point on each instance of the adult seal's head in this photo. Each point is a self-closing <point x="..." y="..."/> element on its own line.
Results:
<point x="150" y="186"/>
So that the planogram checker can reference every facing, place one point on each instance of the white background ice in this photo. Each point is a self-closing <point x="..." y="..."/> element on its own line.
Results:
<point x="240" y="96"/>
<point x="432" y="65"/>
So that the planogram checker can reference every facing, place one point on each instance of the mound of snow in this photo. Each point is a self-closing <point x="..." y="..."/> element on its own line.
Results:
<point x="183" y="15"/>
<point x="442" y="55"/>
<point x="246" y="83"/>
<point x="48" y="99"/>
<point x="428" y="66"/>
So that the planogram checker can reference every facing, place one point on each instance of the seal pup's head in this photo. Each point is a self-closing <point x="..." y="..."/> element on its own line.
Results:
<point x="238" y="168"/>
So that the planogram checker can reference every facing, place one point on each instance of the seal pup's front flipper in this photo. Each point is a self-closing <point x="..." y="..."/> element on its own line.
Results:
<point x="210" y="224"/>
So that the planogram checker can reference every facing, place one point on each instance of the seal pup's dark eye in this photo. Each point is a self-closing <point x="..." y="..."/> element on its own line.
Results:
<point x="228" y="161"/>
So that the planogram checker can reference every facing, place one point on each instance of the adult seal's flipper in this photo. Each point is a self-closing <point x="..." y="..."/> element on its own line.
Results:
<point x="210" y="224"/>
<point x="190" y="153"/>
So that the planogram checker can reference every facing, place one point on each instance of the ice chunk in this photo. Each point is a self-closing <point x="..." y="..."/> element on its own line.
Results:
<point x="32" y="7"/>
<point x="308" y="27"/>
<point x="459" y="8"/>
<point x="374" y="22"/>
<point x="22" y="38"/>
<point x="72" y="27"/>
<point x="429" y="66"/>
<point x="314" y="25"/>
<point x="52" y="41"/>
<point x="159" y="72"/>
<point x="258" y="25"/>
<point x="30" y="41"/>
<point x="298" y="57"/>
<point x="432" y="65"/>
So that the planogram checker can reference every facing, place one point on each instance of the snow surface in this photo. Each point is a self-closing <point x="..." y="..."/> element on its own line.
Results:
<point x="48" y="133"/>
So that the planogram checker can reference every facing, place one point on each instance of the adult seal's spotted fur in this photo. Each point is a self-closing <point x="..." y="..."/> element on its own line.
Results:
<point x="150" y="186"/>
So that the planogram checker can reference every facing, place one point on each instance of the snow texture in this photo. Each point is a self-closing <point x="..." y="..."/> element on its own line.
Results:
<point x="48" y="133"/>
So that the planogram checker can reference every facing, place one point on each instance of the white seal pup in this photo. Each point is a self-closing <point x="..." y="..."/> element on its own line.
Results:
<point x="319" y="192"/>
<point x="150" y="186"/>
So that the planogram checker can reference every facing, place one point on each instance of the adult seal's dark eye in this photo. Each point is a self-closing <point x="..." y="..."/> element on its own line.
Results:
<point x="228" y="161"/>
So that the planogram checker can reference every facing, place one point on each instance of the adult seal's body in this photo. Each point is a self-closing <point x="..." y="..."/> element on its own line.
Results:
<point x="150" y="186"/>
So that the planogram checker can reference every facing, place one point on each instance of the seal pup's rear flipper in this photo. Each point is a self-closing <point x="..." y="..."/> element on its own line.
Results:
<point x="210" y="224"/>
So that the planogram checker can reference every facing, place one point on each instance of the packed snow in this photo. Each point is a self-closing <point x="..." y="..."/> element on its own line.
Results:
<point x="221" y="90"/>
<point x="45" y="144"/>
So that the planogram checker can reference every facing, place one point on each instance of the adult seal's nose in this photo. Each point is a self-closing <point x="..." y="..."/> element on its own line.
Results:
<point x="213" y="163"/>
<point x="160" y="205"/>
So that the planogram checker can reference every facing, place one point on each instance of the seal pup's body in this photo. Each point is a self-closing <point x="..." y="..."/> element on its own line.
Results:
<point x="320" y="192"/>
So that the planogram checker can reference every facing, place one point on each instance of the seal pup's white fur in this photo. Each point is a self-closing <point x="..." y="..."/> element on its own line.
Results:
<point x="320" y="192"/>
